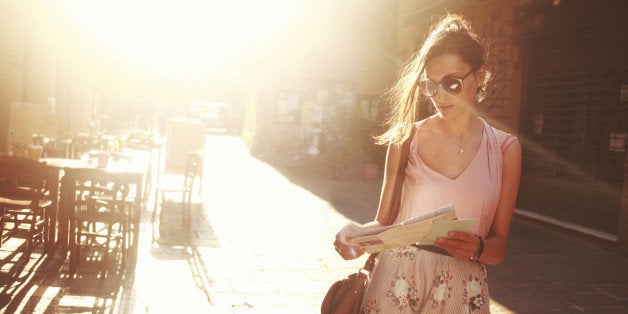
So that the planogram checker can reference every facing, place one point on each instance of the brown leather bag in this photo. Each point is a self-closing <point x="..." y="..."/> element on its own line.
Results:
<point x="345" y="296"/>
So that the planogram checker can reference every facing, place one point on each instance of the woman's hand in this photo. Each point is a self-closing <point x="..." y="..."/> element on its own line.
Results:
<point x="347" y="250"/>
<point x="462" y="245"/>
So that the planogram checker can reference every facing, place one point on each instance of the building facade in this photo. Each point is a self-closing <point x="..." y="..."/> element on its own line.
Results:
<point x="561" y="85"/>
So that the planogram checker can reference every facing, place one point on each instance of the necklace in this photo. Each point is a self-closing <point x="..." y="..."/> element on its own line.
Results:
<point x="453" y="140"/>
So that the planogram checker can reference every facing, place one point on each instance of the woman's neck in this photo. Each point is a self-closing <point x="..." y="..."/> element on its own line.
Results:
<point x="461" y="127"/>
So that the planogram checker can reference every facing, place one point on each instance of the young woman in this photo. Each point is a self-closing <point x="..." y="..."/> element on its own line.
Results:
<point x="455" y="158"/>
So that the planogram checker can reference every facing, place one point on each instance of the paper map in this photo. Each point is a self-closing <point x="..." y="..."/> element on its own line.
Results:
<point x="422" y="230"/>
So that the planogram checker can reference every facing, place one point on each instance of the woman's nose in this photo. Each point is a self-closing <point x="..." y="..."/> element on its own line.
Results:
<point x="440" y="95"/>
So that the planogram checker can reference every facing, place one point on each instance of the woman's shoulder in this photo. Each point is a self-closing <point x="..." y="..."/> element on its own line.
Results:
<point x="420" y="122"/>
<point x="425" y="123"/>
<point x="505" y="139"/>
<point x="424" y="129"/>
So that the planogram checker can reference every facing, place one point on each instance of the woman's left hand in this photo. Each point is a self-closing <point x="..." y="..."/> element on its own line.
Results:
<point x="462" y="245"/>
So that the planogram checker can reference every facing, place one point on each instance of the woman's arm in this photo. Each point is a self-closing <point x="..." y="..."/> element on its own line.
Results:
<point x="349" y="251"/>
<point x="465" y="245"/>
<point x="496" y="242"/>
<point x="388" y="185"/>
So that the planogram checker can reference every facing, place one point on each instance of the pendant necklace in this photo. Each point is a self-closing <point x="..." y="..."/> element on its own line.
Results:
<point x="460" y="147"/>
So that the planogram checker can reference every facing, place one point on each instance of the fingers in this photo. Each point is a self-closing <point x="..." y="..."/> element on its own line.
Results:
<point x="345" y="231"/>
<point x="460" y="244"/>
<point x="347" y="251"/>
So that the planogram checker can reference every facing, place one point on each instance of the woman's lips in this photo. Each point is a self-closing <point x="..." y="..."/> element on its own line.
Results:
<point x="445" y="107"/>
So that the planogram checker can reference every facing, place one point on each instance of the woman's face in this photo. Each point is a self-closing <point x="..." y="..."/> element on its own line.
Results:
<point x="451" y="105"/>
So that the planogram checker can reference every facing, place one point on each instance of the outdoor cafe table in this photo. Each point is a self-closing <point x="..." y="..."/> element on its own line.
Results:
<point x="127" y="170"/>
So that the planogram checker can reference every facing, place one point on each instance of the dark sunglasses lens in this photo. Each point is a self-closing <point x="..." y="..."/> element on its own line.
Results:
<point x="452" y="86"/>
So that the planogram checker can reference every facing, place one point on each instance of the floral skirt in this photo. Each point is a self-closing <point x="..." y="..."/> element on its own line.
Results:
<point x="411" y="280"/>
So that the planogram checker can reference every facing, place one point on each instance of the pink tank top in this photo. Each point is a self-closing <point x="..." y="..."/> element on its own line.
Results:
<point x="474" y="193"/>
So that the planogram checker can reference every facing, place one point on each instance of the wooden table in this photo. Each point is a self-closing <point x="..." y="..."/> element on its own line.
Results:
<point x="60" y="218"/>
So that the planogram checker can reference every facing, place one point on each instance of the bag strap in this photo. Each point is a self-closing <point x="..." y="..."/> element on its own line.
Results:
<point x="395" y="200"/>
<point x="368" y="265"/>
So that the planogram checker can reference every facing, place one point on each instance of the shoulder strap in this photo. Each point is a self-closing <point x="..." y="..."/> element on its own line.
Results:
<point x="370" y="261"/>
<point x="395" y="200"/>
<point x="507" y="142"/>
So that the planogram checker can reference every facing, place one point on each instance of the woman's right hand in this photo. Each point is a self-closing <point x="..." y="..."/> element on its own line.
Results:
<point x="347" y="250"/>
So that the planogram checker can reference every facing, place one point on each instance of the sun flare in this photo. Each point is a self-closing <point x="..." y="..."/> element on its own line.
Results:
<point x="179" y="35"/>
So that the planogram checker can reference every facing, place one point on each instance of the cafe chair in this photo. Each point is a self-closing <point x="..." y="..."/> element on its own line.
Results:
<point x="140" y="141"/>
<point x="99" y="221"/>
<point x="24" y="200"/>
<point x="193" y="168"/>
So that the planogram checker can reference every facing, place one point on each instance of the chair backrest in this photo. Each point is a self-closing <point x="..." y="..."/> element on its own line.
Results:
<point x="96" y="190"/>
<point x="22" y="178"/>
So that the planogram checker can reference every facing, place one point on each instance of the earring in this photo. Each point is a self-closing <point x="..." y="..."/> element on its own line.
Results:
<point x="481" y="93"/>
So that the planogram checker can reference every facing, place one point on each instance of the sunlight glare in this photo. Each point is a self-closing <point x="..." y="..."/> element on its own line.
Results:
<point x="77" y="301"/>
<point x="172" y="34"/>
<point x="46" y="299"/>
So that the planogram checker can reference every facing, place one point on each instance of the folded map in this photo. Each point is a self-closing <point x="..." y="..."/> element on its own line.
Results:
<point x="421" y="230"/>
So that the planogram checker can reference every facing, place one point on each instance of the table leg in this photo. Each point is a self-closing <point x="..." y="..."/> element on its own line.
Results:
<point x="65" y="204"/>
<point x="1" y="224"/>
<point x="51" y="224"/>
<point x="139" y="195"/>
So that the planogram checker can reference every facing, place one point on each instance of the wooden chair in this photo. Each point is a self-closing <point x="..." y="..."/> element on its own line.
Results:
<point x="192" y="170"/>
<point x="99" y="221"/>
<point x="140" y="141"/>
<point x="24" y="199"/>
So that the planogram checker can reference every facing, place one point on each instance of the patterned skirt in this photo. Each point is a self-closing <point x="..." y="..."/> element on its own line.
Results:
<point x="411" y="280"/>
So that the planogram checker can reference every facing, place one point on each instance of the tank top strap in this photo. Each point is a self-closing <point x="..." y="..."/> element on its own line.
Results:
<point x="507" y="142"/>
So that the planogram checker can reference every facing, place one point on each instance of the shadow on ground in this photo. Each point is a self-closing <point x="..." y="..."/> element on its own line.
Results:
<point x="39" y="282"/>
<point x="173" y="241"/>
<point x="340" y="192"/>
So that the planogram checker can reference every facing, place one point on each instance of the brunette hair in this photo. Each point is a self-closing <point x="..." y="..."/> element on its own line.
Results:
<point x="452" y="34"/>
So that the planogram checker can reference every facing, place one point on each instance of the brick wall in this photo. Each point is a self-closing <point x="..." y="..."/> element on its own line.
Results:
<point x="493" y="20"/>
<point x="26" y="72"/>
<point x="12" y="34"/>
<point x="573" y="119"/>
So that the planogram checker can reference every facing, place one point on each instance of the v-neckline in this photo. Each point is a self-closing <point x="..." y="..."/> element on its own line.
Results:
<point x="475" y="155"/>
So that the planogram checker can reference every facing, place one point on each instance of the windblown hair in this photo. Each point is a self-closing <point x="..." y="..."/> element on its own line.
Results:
<point x="452" y="34"/>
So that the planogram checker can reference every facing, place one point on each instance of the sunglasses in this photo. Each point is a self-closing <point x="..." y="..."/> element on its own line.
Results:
<point x="451" y="85"/>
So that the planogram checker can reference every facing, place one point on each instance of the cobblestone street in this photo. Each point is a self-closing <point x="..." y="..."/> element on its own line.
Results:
<point x="261" y="242"/>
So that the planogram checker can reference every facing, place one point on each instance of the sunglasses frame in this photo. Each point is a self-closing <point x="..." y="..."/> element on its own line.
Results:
<point x="460" y="80"/>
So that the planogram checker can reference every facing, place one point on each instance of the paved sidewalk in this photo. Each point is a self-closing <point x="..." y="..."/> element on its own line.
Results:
<point x="275" y="235"/>
<point x="262" y="243"/>
<point x="259" y="244"/>
<point x="544" y="271"/>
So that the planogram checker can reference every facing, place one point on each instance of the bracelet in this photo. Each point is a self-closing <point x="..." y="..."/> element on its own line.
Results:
<point x="480" y="250"/>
